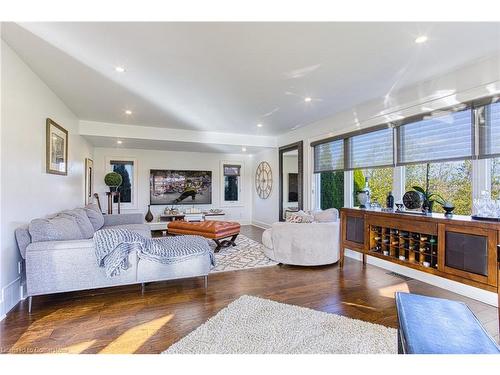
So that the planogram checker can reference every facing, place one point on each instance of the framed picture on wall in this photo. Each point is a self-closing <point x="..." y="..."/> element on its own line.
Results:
<point x="89" y="180"/>
<point x="56" y="155"/>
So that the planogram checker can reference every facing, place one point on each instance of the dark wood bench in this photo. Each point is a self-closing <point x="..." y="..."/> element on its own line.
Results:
<point x="429" y="325"/>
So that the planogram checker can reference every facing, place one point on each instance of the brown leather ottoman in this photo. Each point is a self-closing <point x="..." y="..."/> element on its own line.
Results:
<point x="216" y="230"/>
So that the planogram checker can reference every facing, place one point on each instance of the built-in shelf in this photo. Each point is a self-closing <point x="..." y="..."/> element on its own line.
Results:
<point x="410" y="247"/>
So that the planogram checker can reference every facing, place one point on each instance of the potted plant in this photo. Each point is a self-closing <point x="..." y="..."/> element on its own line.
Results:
<point x="429" y="198"/>
<point x="113" y="180"/>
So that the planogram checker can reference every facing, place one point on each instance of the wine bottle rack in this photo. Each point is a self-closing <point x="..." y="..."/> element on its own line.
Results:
<point x="412" y="247"/>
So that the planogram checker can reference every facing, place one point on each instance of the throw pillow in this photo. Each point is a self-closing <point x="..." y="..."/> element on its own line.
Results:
<point x="294" y="218"/>
<point x="300" y="217"/>
<point x="82" y="220"/>
<point x="95" y="216"/>
<point x="326" y="216"/>
<point x="59" y="228"/>
<point x="306" y="218"/>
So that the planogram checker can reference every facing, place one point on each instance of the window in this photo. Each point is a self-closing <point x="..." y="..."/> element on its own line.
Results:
<point x="445" y="136"/>
<point x="331" y="189"/>
<point x="231" y="182"/>
<point x="451" y="180"/>
<point x="379" y="182"/>
<point x="127" y="169"/>
<point x="329" y="156"/>
<point x="329" y="166"/>
<point x="373" y="149"/>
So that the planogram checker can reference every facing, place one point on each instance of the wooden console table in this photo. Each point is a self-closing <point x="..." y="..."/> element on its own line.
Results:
<point x="456" y="248"/>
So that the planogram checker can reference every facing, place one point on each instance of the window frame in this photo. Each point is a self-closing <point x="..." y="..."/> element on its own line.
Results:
<point x="134" y="204"/>
<point x="241" y="178"/>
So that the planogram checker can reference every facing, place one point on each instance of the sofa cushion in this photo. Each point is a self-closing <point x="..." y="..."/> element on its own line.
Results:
<point x="23" y="239"/>
<point x="95" y="216"/>
<point x="82" y="220"/>
<point x="326" y="216"/>
<point x="59" y="228"/>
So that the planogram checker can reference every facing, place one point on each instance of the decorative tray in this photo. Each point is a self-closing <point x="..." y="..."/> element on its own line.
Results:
<point x="488" y="218"/>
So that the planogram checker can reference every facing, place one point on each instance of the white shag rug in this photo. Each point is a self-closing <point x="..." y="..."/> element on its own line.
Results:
<point x="252" y="325"/>
<point x="246" y="254"/>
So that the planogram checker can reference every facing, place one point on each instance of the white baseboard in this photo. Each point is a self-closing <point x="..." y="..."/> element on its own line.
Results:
<point x="11" y="295"/>
<point x="261" y="224"/>
<point x="466" y="290"/>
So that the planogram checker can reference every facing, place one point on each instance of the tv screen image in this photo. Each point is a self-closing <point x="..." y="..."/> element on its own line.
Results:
<point x="172" y="187"/>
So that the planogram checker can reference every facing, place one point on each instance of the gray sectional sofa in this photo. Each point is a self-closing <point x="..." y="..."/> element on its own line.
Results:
<point x="59" y="254"/>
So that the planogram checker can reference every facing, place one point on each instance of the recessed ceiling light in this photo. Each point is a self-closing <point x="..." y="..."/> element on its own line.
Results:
<point x="128" y="112"/>
<point x="120" y="69"/>
<point x="260" y="125"/>
<point x="243" y="149"/>
<point x="421" y="39"/>
<point x="307" y="99"/>
<point x="119" y="142"/>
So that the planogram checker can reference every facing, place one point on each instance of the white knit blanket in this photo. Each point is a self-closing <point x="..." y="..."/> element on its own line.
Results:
<point x="113" y="246"/>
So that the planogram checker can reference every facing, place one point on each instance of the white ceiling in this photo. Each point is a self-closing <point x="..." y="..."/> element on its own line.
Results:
<point x="227" y="77"/>
<point x="162" y="145"/>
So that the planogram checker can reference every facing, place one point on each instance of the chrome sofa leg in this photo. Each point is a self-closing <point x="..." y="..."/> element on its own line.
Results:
<point x="30" y="300"/>
<point x="143" y="287"/>
<point x="206" y="282"/>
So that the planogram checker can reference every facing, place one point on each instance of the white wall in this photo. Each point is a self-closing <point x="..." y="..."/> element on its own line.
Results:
<point x="27" y="191"/>
<point x="153" y="159"/>
<point x="266" y="211"/>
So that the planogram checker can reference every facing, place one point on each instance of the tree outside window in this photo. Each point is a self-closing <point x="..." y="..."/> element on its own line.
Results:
<point x="451" y="180"/>
<point x="495" y="178"/>
<point x="124" y="169"/>
<point x="332" y="190"/>
<point x="379" y="182"/>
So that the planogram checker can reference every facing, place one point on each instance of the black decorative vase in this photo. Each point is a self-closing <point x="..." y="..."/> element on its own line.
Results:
<point x="427" y="206"/>
<point x="149" y="215"/>
<point x="448" y="210"/>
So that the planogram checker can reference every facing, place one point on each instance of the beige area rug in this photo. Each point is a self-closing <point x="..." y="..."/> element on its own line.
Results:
<point x="246" y="254"/>
<point x="252" y="325"/>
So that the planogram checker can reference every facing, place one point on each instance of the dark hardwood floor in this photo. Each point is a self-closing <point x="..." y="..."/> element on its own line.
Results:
<point x="122" y="320"/>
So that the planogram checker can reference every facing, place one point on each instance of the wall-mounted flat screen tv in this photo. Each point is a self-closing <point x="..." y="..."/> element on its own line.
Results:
<point x="172" y="187"/>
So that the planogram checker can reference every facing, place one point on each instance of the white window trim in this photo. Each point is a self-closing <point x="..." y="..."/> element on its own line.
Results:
<point x="133" y="204"/>
<point x="481" y="176"/>
<point x="241" y="182"/>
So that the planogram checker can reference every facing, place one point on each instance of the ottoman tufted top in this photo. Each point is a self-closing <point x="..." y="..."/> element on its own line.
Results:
<point x="210" y="229"/>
